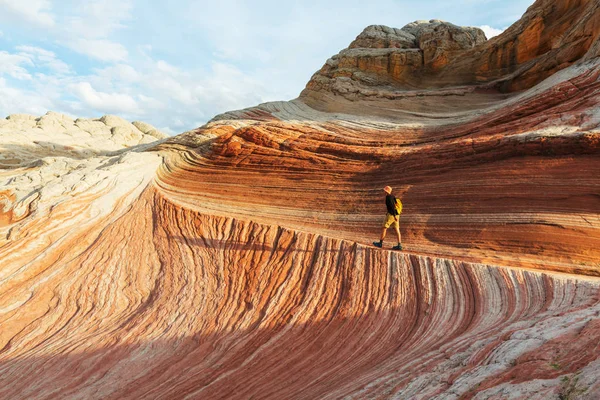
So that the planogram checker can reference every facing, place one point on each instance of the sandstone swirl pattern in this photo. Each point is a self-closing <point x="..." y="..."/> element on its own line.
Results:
<point x="233" y="261"/>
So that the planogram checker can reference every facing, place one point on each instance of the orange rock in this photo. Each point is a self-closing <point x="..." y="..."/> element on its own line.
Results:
<point x="234" y="261"/>
<point x="551" y="36"/>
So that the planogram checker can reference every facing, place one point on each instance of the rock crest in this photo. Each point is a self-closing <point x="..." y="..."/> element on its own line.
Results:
<point x="25" y="138"/>
<point x="429" y="55"/>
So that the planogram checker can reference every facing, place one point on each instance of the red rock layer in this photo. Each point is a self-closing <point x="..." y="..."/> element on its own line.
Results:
<point x="234" y="261"/>
<point x="551" y="36"/>
<point x="197" y="306"/>
<point x="506" y="187"/>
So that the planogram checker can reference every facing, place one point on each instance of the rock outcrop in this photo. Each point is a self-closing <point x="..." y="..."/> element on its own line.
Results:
<point x="25" y="139"/>
<point x="428" y="55"/>
<point x="233" y="261"/>
<point x="45" y="161"/>
<point x="383" y="56"/>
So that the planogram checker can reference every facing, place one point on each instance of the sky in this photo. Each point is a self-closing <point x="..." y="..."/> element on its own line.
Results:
<point x="176" y="64"/>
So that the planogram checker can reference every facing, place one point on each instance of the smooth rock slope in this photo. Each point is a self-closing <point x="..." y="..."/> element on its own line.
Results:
<point x="233" y="261"/>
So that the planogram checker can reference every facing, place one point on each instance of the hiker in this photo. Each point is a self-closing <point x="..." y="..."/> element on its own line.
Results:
<point x="394" y="208"/>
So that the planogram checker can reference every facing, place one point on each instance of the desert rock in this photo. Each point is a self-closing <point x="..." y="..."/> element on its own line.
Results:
<point x="26" y="139"/>
<point x="233" y="260"/>
<point x="430" y="55"/>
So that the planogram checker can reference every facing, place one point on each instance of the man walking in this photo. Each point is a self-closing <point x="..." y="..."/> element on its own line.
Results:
<point x="394" y="207"/>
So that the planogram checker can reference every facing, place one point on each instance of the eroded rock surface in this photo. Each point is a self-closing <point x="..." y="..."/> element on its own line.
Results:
<point x="233" y="261"/>
<point x="383" y="61"/>
<point x="25" y="139"/>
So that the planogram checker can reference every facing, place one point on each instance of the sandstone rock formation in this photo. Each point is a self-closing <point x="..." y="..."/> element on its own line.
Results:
<point x="232" y="261"/>
<point x="48" y="160"/>
<point x="25" y="139"/>
<point x="424" y="55"/>
<point x="386" y="56"/>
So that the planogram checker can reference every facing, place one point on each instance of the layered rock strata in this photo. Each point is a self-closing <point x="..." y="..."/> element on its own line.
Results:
<point x="211" y="307"/>
<point x="513" y="184"/>
<point x="46" y="161"/>
<point x="233" y="261"/>
<point x="428" y="55"/>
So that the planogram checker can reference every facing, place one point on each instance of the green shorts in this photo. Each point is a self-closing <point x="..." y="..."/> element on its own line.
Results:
<point x="391" y="220"/>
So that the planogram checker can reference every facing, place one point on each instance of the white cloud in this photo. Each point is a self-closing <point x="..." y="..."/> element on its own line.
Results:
<point x="14" y="100"/>
<point x="83" y="26"/>
<point x="167" y="68"/>
<point x="122" y="73"/>
<point x="101" y="49"/>
<point x="31" y="11"/>
<point x="491" y="32"/>
<point x="149" y="104"/>
<point x="88" y="29"/>
<point x="104" y="102"/>
<point x="94" y="19"/>
<point x="44" y="58"/>
<point x="12" y="65"/>
<point x="36" y="51"/>
<point x="150" y="90"/>
<point x="201" y="92"/>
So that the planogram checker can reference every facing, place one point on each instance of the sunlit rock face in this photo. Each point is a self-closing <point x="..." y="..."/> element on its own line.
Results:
<point x="233" y="261"/>
<point x="46" y="160"/>
<point x="382" y="61"/>
<point x="383" y="56"/>
<point x="25" y="139"/>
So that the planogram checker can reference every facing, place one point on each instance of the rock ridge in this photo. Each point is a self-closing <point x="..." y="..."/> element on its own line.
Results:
<point x="434" y="54"/>
<point x="26" y="139"/>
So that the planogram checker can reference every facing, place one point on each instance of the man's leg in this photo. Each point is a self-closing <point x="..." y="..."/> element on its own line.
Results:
<point x="386" y="225"/>
<point x="380" y="243"/>
<point x="383" y="232"/>
<point x="397" y="228"/>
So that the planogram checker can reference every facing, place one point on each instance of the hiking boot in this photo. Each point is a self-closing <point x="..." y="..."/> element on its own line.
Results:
<point x="378" y="244"/>
<point x="398" y="247"/>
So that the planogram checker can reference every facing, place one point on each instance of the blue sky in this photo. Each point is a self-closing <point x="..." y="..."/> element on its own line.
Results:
<point x="176" y="64"/>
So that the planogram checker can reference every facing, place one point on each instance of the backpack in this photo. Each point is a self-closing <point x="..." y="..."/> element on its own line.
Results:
<point x="398" y="206"/>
